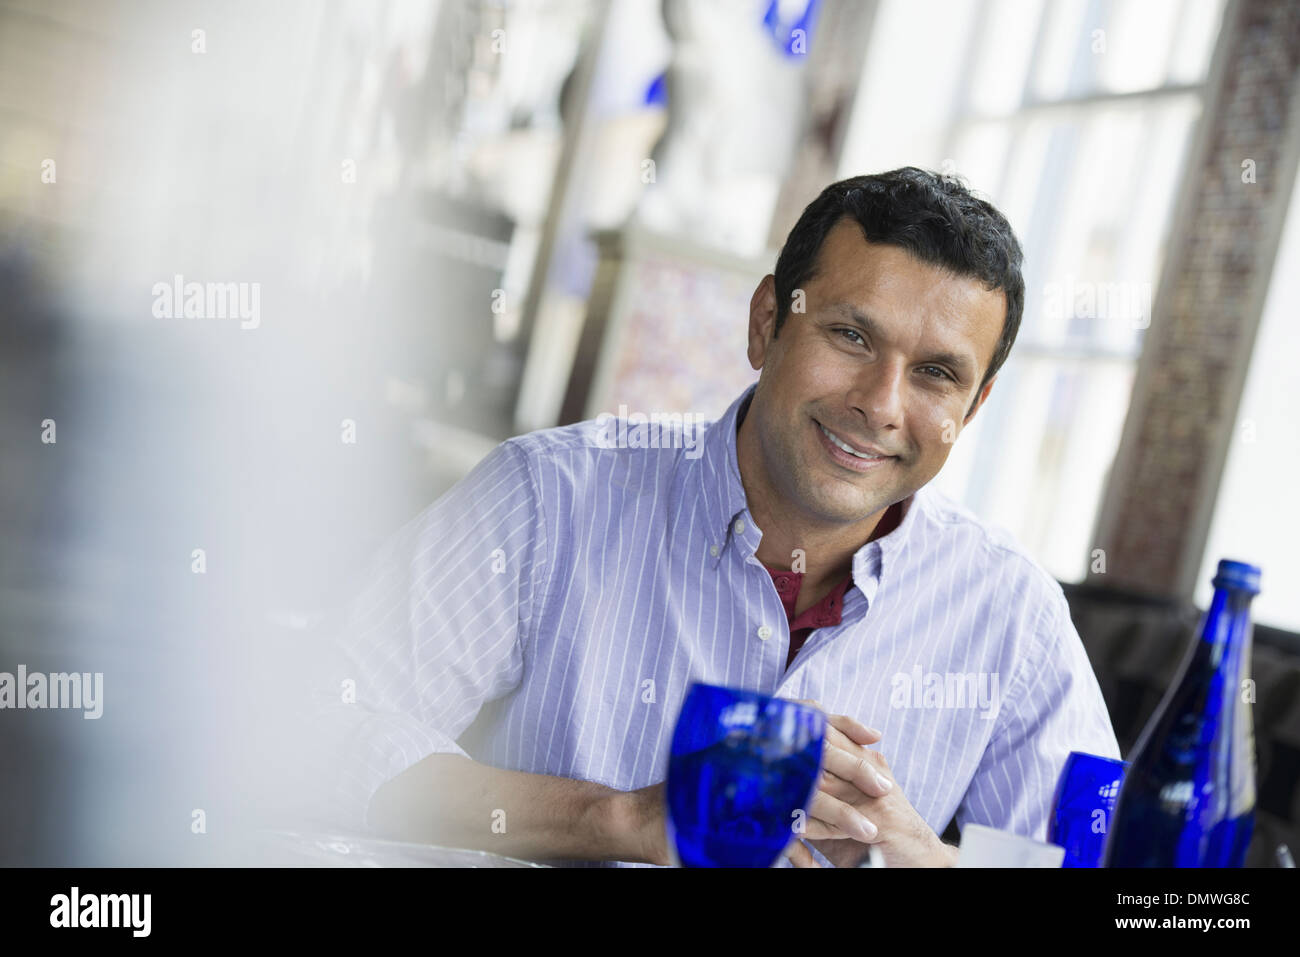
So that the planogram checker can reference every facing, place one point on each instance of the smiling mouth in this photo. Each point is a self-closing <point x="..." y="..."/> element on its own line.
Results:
<point x="846" y="454"/>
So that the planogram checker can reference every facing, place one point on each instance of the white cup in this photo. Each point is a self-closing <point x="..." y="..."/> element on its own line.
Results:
<point x="988" y="847"/>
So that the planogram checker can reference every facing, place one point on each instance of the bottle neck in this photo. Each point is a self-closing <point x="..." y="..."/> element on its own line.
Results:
<point x="1226" y="627"/>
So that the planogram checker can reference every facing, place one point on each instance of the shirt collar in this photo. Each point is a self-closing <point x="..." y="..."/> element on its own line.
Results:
<point x="874" y="560"/>
<point x="721" y="491"/>
<point x="726" y="510"/>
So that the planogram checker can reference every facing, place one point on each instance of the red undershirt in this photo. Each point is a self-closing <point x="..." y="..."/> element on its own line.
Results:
<point x="825" y="612"/>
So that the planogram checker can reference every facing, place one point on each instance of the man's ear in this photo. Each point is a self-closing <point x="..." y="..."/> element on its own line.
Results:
<point x="762" y="320"/>
<point x="979" y="401"/>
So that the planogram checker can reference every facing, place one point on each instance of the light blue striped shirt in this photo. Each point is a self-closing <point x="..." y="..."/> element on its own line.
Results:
<point x="550" y="611"/>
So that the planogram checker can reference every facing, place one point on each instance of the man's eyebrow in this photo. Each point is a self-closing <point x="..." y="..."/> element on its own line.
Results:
<point x="960" y="364"/>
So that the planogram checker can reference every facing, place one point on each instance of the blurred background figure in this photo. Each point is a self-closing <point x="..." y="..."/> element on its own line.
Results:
<point x="273" y="277"/>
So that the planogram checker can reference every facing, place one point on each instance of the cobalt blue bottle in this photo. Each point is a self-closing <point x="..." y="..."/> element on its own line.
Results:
<point x="1188" y="799"/>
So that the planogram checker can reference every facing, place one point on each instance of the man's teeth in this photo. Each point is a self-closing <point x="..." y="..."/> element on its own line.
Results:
<point x="861" y="455"/>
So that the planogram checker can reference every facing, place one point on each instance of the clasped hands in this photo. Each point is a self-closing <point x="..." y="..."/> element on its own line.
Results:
<point x="858" y="803"/>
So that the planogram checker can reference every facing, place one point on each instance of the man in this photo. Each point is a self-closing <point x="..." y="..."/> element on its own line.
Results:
<point x="553" y="608"/>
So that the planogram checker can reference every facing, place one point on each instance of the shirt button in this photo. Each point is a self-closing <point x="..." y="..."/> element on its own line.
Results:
<point x="740" y="526"/>
<point x="713" y="550"/>
<point x="764" y="632"/>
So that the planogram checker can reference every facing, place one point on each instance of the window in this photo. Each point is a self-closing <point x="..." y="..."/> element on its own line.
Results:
<point x="1074" y="118"/>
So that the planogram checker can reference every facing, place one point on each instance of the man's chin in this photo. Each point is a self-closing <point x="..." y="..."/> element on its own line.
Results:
<point x="848" y="510"/>
<point x="838" y="498"/>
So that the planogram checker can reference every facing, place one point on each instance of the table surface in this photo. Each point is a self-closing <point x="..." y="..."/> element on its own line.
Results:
<point x="285" y="848"/>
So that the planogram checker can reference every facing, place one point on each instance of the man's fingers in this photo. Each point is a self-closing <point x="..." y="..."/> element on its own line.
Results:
<point x="829" y="817"/>
<point x="846" y="756"/>
<point x="854" y="730"/>
<point x="857" y="769"/>
<point x="799" y="855"/>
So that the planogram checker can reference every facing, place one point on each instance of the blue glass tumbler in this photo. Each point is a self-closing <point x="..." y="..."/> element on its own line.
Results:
<point x="1082" y="807"/>
<point x="743" y="766"/>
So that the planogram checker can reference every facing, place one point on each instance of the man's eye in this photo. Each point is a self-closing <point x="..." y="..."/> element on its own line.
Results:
<point x="852" y="332"/>
<point x="941" y="373"/>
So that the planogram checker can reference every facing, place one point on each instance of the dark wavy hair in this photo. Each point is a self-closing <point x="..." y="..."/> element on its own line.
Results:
<point x="935" y="218"/>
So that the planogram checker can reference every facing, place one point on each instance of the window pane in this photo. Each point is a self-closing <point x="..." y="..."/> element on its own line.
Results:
<point x="1097" y="257"/>
<point x="1198" y="27"/>
<point x="1125" y="46"/>
<point x="1099" y="156"/>
<point x="1025" y="173"/>
<point x="1005" y="45"/>
<point x="1061" y="42"/>
<point x="981" y="152"/>
<point x="1138" y="35"/>
<point x="910" y="78"/>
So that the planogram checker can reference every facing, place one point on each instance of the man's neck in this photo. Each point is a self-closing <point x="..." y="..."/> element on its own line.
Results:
<point x="826" y="558"/>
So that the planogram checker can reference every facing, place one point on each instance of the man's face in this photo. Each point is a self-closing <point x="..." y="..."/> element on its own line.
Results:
<point x="888" y="357"/>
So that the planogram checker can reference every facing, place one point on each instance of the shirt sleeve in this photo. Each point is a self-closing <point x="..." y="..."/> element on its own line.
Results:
<point x="436" y="632"/>
<point x="1054" y="706"/>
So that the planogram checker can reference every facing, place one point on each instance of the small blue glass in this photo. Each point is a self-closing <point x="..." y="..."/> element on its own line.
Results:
<point x="743" y="765"/>
<point x="1082" y="807"/>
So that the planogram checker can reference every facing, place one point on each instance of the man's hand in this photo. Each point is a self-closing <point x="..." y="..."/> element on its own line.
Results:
<point x="858" y="803"/>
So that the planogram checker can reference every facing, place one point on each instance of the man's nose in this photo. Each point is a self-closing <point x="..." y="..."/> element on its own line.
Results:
<point x="878" y="395"/>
